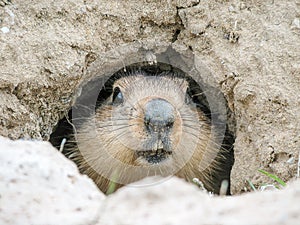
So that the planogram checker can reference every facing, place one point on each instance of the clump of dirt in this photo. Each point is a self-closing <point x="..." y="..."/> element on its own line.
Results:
<point x="251" y="49"/>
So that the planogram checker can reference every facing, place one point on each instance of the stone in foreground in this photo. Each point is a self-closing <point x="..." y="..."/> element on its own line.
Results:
<point x="38" y="185"/>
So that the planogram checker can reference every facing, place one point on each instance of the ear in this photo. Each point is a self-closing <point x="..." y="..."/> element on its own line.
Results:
<point x="183" y="85"/>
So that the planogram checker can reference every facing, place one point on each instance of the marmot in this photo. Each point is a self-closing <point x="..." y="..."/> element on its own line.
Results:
<point x="150" y="124"/>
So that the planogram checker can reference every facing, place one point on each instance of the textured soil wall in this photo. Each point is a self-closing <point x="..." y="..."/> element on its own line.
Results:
<point x="251" y="49"/>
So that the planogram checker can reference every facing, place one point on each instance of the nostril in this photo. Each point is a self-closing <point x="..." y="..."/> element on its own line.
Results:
<point x="169" y="124"/>
<point x="147" y="123"/>
<point x="153" y="125"/>
<point x="159" y="115"/>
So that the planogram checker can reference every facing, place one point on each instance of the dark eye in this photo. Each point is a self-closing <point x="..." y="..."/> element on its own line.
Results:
<point x="117" y="96"/>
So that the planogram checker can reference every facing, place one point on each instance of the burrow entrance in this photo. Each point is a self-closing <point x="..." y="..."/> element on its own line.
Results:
<point x="200" y="93"/>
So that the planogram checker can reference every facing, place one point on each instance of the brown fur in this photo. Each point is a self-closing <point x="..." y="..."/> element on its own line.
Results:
<point x="107" y="142"/>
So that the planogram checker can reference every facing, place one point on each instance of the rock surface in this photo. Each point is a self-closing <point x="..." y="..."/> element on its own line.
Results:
<point x="251" y="48"/>
<point x="176" y="202"/>
<point x="38" y="185"/>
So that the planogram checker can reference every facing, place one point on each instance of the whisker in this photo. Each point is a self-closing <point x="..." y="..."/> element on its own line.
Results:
<point x="119" y="128"/>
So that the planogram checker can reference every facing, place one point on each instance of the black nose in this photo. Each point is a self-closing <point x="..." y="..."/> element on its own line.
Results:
<point x="159" y="115"/>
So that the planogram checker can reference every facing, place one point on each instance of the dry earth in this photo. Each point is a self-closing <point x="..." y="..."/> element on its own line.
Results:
<point x="251" y="49"/>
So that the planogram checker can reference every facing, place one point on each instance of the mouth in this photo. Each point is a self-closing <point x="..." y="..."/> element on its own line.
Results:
<point x="154" y="156"/>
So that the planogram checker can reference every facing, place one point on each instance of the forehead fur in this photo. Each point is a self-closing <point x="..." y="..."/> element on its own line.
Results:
<point x="140" y="86"/>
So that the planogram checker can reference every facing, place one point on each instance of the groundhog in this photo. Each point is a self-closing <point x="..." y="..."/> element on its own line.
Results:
<point x="150" y="124"/>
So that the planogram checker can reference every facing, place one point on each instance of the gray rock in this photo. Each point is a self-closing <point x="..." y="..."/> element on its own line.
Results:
<point x="177" y="202"/>
<point x="38" y="185"/>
